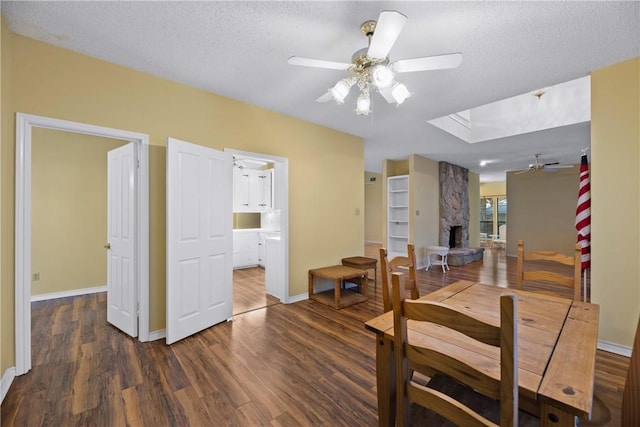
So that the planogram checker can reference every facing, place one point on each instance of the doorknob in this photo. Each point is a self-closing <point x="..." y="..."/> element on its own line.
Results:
<point x="107" y="246"/>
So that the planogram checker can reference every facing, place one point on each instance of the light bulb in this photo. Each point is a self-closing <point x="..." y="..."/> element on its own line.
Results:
<point x="340" y="91"/>
<point x="363" y="104"/>
<point x="400" y="93"/>
<point x="382" y="76"/>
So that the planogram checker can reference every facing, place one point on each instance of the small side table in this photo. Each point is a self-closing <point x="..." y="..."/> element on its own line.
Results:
<point x="363" y="263"/>
<point x="442" y="252"/>
<point x="339" y="298"/>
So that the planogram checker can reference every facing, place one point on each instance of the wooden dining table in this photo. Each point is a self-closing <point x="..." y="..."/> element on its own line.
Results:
<point x="557" y="340"/>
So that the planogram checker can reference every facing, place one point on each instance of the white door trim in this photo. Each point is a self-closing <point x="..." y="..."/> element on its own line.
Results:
<point x="24" y="125"/>
<point x="281" y="185"/>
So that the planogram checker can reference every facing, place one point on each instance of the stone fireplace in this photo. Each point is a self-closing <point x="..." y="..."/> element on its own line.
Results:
<point x="454" y="215"/>
<point x="454" y="206"/>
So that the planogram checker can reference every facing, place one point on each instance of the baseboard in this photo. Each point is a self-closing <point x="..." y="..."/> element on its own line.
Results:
<point x="297" y="298"/>
<point x="71" y="293"/>
<point x="614" y="348"/>
<point x="6" y="381"/>
<point x="158" y="335"/>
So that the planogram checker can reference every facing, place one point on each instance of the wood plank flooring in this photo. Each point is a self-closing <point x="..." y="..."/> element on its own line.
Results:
<point x="302" y="364"/>
<point x="249" y="292"/>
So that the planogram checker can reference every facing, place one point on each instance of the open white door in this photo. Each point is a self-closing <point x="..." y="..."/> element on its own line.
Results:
<point x="199" y="238"/>
<point x="122" y="306"/>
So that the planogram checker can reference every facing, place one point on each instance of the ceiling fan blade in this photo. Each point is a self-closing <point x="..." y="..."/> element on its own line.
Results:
<point x="388" y="28"/>
<point x="438" y="62"/>
<point x="551" y="164"/>
<point x="324" y="98"/>
<point x="317" y="63"/>
<point x="558" y="166"/>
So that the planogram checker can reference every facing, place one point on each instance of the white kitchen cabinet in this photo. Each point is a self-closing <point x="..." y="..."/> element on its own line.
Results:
<point x="245" y="249"/>
<point x="262" y="254"/>
<point x="252" y="190"/>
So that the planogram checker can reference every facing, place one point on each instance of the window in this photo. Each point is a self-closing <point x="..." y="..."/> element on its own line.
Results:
<point x="491" y="218"/>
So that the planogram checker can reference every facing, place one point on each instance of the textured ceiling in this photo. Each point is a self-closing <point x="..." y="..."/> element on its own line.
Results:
<point x="240" y="50"/>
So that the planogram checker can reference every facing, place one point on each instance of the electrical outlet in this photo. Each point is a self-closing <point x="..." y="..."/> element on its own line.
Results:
<point x="357" y="211"/>
<point x="36" y="277"/>
<point x="417" y="212"/>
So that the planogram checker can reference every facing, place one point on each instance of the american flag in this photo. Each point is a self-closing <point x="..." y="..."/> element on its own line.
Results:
<point x="583" y="213"/>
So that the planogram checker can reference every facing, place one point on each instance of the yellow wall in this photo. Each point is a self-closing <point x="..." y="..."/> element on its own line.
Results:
<point x="498" y="188"/>
<point x="474" y="210"/>
<point x="7" y="157"/>
<point x="246" y="220"/>
<point x="373" y="207"/>
<point x="325" y="166"/>
<point x="615" y="205"/>
<point x="424" y="205"/>
<point x="542" y="210"/>
<point x="69" y="210"/>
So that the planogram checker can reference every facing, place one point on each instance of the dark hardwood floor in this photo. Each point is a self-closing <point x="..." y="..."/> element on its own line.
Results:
<point x="249" y="292"/>
<point x="302" y="364"/>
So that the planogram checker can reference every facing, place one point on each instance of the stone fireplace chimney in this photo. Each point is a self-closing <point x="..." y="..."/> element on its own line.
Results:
<point x="454" y="205"/>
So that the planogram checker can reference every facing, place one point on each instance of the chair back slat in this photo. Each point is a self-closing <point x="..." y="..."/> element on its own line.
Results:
<point x="453" y="319"/>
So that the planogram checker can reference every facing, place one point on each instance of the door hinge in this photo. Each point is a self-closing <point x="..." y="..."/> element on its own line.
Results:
<point x="138" y="309"/>
<point x="138" y="164"/>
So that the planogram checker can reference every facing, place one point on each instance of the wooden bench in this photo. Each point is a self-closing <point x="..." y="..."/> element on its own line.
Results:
<point x="340" y="296"/>
<point x="363" y="263"/>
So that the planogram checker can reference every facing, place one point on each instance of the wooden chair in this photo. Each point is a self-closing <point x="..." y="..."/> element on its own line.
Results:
<point x="631" y="395"/>
<point x="630" y="410"/>
<point x="572" y="282"/>
<point x="421" y="357"/>
<point x="401" y="264"/>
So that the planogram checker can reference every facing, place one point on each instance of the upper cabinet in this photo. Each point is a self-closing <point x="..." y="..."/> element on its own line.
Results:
<point x="252" y="190"/>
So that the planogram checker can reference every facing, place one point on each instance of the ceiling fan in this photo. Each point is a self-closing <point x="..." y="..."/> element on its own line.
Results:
<point x="537" y="166"/>
<point x="371" y="68"/>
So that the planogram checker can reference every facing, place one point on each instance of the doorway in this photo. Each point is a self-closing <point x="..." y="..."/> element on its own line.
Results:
<point x="69" y="213"/>
<point x="262" y="278"/>
<point x="25" y="123"/>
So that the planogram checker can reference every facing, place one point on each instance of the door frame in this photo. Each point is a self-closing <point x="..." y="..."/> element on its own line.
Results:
<point x="24" y="125"/>
<point x="281" y="189"/>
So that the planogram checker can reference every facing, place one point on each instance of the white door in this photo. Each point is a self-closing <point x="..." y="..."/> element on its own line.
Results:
<point x="199" y="238"/>
<point x="122" y="306"/>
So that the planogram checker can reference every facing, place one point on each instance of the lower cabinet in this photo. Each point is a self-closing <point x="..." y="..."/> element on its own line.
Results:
<point x="250" y="248"/>
<point x="245" y="249"/>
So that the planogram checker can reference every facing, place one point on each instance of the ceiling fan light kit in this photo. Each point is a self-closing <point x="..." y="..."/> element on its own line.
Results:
<point x="363" y="105"/>
<point x="371" y="66"/>
<point x="341" y="89"/>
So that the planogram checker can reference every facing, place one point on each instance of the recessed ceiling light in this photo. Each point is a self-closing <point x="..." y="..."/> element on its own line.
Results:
<point x="483" y="163"/>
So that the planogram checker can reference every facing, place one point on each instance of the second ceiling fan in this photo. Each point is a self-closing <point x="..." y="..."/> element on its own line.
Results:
<point x="371" y="67"/>
<point x="537" y="166"/>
